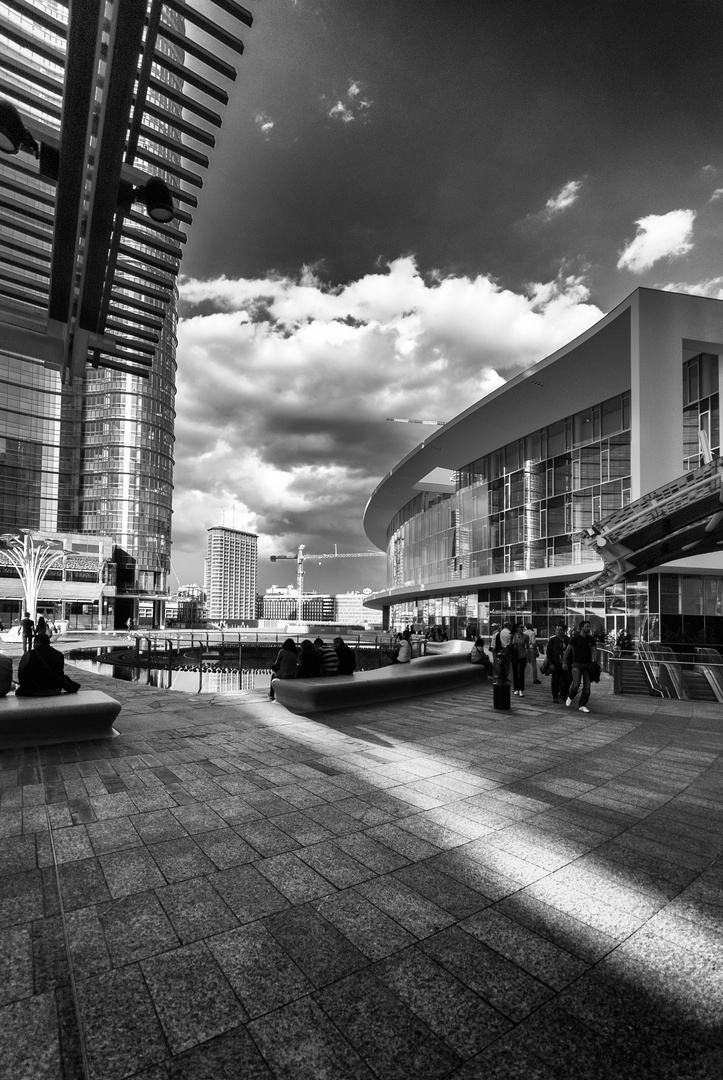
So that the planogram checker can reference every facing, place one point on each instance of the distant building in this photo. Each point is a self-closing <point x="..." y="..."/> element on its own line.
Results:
<point x="282" y="603"/>
<point x="231" y="567"/>
<point x="187" y="607"/>
<point x="349" y="610"/>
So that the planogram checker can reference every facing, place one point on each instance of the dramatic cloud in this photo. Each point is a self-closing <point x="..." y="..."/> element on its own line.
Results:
<point x="567" y="195"/>
<point x="284" y="385"/>
<point x="659" y="236"/>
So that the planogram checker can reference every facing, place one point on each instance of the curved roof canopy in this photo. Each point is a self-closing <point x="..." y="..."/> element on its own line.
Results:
<point x="110" y="94"/>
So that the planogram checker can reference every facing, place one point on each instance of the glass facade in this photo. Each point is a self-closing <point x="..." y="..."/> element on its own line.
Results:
<point x="519" y="507"/>
<point x="701" y="408"/>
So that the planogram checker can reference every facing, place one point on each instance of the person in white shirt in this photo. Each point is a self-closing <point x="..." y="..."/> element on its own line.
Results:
<point x="404" y="646"/>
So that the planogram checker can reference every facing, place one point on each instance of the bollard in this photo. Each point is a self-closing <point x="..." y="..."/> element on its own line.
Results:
<point x="501" y="695"/>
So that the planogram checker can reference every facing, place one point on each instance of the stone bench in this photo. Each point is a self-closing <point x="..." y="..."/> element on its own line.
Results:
<point x="59" y="718"/>
<point x="447" y="669"/>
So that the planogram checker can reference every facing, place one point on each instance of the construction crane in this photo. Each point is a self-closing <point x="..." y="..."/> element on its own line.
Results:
<point x="300" y="558"/>
<point x="401" y="420"/>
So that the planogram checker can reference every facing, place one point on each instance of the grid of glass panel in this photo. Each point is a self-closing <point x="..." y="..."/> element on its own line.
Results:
<point x="519" y="507"/>
<point x="701" y="407"/>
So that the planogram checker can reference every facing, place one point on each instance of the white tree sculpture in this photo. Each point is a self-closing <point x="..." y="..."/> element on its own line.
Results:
<point x="32" y="558"/>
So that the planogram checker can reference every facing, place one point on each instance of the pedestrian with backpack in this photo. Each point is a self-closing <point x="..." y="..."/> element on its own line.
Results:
<point x="502" y="650"/>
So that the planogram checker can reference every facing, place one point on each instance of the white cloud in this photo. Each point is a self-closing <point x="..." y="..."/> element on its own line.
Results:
<point x="659" y="236"/>
<point x="354" y="108"/>
<point x="711" y="287"/>
<point x="341" y="112"/>
<point x="284" y="388"/>
<point x="264" y="124"/>
<point x="566" y="196"/>
<point x="717" y="194"/>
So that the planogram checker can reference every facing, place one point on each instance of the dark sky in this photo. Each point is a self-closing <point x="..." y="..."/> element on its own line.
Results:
<point x="536" y="162"/>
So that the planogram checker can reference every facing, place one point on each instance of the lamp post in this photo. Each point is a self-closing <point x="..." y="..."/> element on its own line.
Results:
<point x="32" y="558"/>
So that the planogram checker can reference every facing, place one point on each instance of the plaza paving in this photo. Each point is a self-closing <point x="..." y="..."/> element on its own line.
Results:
<point x="427" y="889"/>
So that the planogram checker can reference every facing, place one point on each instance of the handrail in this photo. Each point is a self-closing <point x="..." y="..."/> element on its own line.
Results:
<point x="651" y="669"/>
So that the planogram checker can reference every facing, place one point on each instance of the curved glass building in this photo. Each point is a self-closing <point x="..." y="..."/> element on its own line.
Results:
<point x="483" y="521"/>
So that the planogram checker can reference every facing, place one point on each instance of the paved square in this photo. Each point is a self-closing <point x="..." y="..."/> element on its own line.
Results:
<point x="425" y="889"/>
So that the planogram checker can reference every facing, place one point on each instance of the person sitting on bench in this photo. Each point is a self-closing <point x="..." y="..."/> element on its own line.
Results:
<point x="40" y="671"/>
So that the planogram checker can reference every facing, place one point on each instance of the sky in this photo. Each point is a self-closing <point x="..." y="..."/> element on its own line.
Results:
<point x="410" y="202"/>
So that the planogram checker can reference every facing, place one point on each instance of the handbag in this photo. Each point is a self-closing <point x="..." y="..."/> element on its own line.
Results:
<point x="545" y="668"/>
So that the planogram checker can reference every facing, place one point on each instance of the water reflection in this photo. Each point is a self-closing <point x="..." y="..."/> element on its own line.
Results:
<point x="187" y="682"/>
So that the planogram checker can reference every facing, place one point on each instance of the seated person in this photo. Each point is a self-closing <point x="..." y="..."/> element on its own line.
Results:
<point x="329" y="659"/>
<point x="404" y="650"/>
<point x="309" y="661"/>
<point x="347" y="659"/>
<point x="285" y="664"/>
<point x="6" y="674"/>
<point x="479" y="656"/>
<point x="40" y="671"/>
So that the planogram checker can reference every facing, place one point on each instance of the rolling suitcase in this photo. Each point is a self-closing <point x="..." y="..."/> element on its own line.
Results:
<point x="501" y="695"/>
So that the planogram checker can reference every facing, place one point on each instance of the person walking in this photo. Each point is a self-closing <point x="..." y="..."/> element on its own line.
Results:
<point x="532" y="651"/>
<point x="555" y="655"/>
<point x="582" y="654"/>
<point x="519" y="648"/>
<point x="28" y="628"/>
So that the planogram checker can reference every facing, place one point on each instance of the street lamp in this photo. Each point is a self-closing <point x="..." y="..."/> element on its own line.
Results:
<point x="32" y="558"/>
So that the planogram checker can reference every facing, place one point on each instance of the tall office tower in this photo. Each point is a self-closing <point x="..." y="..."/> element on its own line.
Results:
<point x="107" y="112"/>
<point x="231" y="565"/>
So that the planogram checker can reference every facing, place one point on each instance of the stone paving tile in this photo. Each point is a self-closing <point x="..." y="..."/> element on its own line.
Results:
<point x="294" y="879"/>
<point x="452" y="1011"/>
<point x="441" y="889"/>
<point x="406" y="843"/>
<point x="568" y="933"/>
<point x="16" y="963"/>
<point x="50" y="960"/>
<point x="122" y="1031"/>
<point x="87" y="941"/>
<point x="247" y="892"/>
<point x="34" y="1049"/>
<point x="300" y="1043"/>
<point x="126" y="872"/>
<point x="191" y="995"/>
<point x="334" y="864"/>
<point x="414" y="912"/>
<point x="113" y="835"/>
<point x="322" y="953"/>
<point x="371" y="852"/>
<point x="262" y="975"/>
<point x="156" y="825"/>
<point x="373" y="933"/>
<point x="180" y="859"/>
<point x="266" y="838"/>
<point x="501" y="983"/>
<point x="197" y="818"/>
<point x="83" y="883"/>
<point x="135" y="927"/>
<point x="384" y="1031"/>
<point x="227" y="1057"/>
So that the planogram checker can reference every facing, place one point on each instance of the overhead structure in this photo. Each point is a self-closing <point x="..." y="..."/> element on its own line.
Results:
<point x="682" y="518"/>
<point x="106" y="114"/>
<point x="300" y="558"/>
<point x="404" y="420"/>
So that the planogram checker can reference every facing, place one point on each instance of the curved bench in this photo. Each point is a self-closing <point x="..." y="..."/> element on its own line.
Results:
<point x="446" y="669"/>
<point x="59" y="718"/>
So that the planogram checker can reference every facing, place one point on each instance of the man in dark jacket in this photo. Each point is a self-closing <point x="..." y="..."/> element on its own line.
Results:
<point x="555" y="655"/>
<point x="28" y="628"/>
<point x="347" y="659"/>
<point x="40" y="670"/>
<point x="581" y="654"/>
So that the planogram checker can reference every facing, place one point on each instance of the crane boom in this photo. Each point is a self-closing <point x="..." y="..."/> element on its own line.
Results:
<point x="300" y="558"/>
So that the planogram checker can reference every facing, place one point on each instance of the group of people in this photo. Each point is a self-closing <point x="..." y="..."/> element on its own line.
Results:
<point x="570" y="661"/>
<point x="310" y="659"/>
<point x="31" y="629"/>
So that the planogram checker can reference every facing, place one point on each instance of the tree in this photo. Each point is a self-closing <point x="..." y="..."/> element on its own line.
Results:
<point x="32" y="557"/>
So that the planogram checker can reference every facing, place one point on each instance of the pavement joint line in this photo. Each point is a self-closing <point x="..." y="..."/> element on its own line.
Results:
<point x="66" y="938"/>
